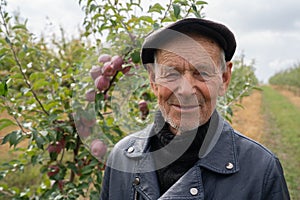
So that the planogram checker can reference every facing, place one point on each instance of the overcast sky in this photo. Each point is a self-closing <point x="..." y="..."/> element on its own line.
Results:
<point x="266" y="31"/>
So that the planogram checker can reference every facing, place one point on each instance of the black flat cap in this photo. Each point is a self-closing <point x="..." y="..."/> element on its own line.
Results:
<point x="218" y="32"/>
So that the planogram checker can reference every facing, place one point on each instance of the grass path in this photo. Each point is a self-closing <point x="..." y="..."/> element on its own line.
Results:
<point x="283" y="136"/>
<point x="272" y="117"/>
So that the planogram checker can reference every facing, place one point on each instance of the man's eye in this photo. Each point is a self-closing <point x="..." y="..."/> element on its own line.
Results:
<point x="168" y="77"/>
<point x="205" y="74"/>
<point x="202" y="75"/>
<point x="172" y="75"/>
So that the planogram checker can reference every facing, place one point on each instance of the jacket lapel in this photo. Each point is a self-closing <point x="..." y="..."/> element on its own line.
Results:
<point x="223" y="157"/>
<point x="189" y="186"/>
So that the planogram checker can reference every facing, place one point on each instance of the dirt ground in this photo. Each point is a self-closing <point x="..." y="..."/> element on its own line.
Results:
<point x="5" y="148"/>
<point x="290" y="95"/>
<point x="249" y="120"/>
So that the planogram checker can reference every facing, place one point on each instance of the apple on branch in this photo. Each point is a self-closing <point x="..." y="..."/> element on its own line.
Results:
<point x="117" y="62"/>
<point x="98" y="148"/>
<point x="95" y="71"/>
<point x="102" y="83"/>
<point x="108" y="69"/>
<point x="103" y="58"/>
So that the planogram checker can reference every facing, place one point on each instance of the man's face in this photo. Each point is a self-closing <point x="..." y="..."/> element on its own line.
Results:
<point x="187" y="81"/>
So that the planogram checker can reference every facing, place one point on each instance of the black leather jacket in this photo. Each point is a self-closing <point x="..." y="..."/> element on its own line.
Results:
<point x="232" y="167"/>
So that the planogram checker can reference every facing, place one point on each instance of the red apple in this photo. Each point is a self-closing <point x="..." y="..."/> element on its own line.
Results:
<point x="57" y="146"/>
<point x="53" y="170"/>
<point x="89" y="122"/>
<point x="54" y="148"/>
<point x="126" y="70"/>
<point x="102" y="83"/>
<point x="83" y="131"/>
<point x="108" y="69"/>
<point x="117" y="62"/>
<point x="104" y="58"/>
<point x="98" y="148"/>
<point x="95" y="71"/>
<point x="143" y="106"/>
<point x="61" y="143"/>
<point x="61" y="185"/>
<point x="90" y="95"/>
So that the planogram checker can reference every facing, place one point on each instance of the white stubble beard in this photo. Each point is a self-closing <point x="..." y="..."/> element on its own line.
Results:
<point x="185" y="124"/>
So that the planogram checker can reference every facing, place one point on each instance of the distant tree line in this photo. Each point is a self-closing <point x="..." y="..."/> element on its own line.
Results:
<point x="289" y="78"/>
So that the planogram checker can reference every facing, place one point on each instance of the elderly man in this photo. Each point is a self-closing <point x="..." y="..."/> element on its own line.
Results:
<point x="190" y="152"/>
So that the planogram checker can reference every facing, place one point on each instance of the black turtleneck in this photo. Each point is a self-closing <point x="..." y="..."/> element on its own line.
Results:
<point x="176" y="159"/>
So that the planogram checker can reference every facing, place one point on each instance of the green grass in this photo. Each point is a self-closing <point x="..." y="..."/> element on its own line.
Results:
<point x="283" y="135"/>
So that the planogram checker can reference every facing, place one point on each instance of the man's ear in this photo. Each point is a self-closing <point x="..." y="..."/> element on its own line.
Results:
<point x="226" y="77"/>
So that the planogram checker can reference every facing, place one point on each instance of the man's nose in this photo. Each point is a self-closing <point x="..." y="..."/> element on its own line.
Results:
<point x="186" y="86"/>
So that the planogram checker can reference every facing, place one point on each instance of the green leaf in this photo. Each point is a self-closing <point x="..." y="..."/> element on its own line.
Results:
<point x="14" y="138"/>
<point x="19" y="26"/>
<point x="94" y="195"/>
<point x="7" y="40"/>
<point x="201" y="2"/>
<point x="6" y="123"/>
<point x="40" y="142"/>
<point x="196" y="12"/>
<point x="40" y="84"/>
<point x="5" y="139"/>
<point x="87" y="170"/>
<point x="181" y="2"/>
<point x="37" y="76"/>
<point x="83" y="186"/>
<point x="147" y="19"/>
<point x="135" y="56"/>
<point x="3" y="88"/>
<point x="156" y="8"/>
<point x="176" y="11"/>
<point x="168" y="19"/>
<point x="72" y="166"/>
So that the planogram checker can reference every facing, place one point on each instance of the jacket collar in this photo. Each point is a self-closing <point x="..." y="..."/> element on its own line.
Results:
<point x="223" y="156"/>
<point x="218" y="152"/>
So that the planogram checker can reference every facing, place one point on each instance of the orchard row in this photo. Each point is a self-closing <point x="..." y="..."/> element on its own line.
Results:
<point x="289" y="78"/>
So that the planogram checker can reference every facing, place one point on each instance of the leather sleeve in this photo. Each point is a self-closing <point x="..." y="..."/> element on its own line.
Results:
<point x="105" y="185"/>
<point x="275" y="187"/>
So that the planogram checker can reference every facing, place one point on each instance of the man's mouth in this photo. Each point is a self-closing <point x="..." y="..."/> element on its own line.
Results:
<point x="185" y="108"/>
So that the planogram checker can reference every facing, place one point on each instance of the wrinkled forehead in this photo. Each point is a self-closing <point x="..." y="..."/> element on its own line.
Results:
<point x="194" y="49"/>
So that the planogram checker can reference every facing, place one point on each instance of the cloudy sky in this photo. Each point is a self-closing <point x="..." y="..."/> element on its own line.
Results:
<point x="266" y="31"/>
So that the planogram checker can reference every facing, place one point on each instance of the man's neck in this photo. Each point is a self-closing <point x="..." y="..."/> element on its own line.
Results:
<point x="179" y="131"/>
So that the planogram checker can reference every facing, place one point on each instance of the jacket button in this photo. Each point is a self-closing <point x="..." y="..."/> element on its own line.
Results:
<point x="194" y="191"/>
<point x="130" y="149"/>
<point x="229" y="166"/>
<point x="136" y="181"/>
